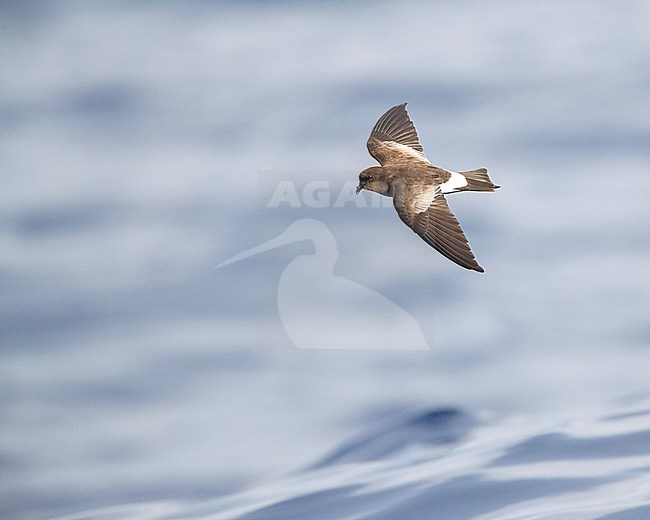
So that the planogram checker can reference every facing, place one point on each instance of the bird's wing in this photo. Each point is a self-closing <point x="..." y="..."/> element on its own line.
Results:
<point x="427" y="213"/>
<point x="393" y="139"/>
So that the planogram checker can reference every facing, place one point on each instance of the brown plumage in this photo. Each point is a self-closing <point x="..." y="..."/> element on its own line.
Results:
<point x="417" y="187"/>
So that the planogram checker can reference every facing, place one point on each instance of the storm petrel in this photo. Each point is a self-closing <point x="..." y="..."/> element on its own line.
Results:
<point x="418" y="188"/>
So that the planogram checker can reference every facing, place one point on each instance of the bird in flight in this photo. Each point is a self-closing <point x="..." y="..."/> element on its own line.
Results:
<point x="418" y="188"/>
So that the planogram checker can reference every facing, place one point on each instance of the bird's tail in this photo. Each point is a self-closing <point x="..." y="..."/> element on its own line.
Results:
<point x="478" y="180"/>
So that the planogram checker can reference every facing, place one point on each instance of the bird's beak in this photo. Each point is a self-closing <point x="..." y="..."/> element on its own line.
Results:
<point x="280" y="240"/>
<point x="359" y="188"/>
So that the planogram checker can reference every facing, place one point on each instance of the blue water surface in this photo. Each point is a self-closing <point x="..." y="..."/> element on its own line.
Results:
<point x="140" y="145"/>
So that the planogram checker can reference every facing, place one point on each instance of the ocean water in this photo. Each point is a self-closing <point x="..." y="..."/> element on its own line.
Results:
<point x="443" y="463"/>
<point x="345" y="370"/>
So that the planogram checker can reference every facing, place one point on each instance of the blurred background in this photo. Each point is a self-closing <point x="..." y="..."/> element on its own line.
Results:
<point x="138" y="143"/>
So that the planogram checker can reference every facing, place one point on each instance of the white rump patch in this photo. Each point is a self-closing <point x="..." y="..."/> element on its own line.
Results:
<point x="455" y="182"/>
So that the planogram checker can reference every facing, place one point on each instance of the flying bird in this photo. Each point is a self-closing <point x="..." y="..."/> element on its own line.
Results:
<point x="418" y="188"/>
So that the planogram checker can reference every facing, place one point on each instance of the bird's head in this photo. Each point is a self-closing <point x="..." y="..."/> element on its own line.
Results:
<point x="373" y="179"/>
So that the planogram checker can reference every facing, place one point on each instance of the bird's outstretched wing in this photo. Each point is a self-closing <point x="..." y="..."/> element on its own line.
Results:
<point x="393" y="139"/>
<point x="427" y="213"/>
